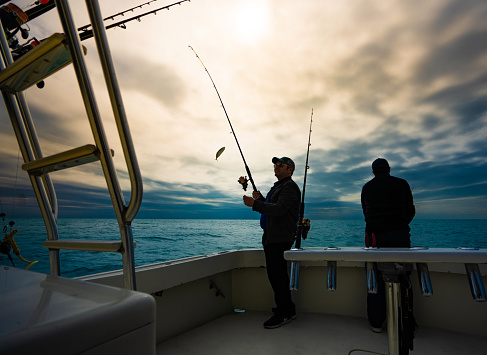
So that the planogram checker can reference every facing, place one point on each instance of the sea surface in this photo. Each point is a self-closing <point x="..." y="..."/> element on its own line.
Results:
<point x="169" y="239"/>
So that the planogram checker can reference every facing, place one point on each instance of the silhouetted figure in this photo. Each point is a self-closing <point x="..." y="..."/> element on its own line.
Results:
<point x="279" y="217"/>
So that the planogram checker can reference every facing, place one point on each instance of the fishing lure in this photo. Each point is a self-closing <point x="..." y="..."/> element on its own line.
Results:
<point x="220" y="151"/>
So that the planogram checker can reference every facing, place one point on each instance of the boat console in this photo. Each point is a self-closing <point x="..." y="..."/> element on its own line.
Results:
<point x="46" y="314"/>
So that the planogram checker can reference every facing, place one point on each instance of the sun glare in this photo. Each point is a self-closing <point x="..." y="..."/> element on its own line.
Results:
<point x="251" y="21"/>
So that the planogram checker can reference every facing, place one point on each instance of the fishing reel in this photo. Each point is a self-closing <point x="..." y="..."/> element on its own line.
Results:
<point x="244" y="182"/>
<point x="12" y="20"/>
<point x="304" y="226"/>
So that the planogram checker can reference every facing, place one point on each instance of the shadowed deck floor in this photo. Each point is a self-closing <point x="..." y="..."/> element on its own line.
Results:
<point x="310" y="333"/>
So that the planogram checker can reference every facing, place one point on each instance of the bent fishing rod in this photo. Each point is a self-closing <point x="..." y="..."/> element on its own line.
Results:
<point x="304" y="224"/>
<point x="242" y="180"/>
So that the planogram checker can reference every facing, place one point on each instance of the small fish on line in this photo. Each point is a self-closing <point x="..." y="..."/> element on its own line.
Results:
<point x="220" y="151"/>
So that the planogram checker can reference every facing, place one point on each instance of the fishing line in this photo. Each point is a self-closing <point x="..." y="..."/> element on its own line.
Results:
<point x="242" y="180"/>
<point x="15" y="183"/>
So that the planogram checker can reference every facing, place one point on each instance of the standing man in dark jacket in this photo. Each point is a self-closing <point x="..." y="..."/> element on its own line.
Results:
<point x="279" y="217"/>
<point x="388" y="207"/>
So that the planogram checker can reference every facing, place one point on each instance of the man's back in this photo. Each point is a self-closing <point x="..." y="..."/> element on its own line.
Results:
<point x="387" y="204"/>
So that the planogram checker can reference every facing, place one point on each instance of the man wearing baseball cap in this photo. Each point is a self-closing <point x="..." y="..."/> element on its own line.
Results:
<point x="279" y="216"/>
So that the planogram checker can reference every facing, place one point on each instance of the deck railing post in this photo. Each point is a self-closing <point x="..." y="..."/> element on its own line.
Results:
<point x="393" y="300"/>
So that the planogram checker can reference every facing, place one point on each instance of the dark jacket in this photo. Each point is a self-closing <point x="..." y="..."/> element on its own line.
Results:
<point x="387" y="203"/>
<point x="282" y="211"/>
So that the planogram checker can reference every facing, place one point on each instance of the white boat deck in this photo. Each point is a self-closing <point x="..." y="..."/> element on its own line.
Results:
<point x="310" y="333"/>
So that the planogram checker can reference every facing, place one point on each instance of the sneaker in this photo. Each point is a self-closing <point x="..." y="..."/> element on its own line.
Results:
<point x="293" y="316"/>
<point x="376" y="330"/>
<point x="276" y="321"/>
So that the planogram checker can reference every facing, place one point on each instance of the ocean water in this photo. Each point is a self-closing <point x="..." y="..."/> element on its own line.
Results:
<point x="169" y="239"/>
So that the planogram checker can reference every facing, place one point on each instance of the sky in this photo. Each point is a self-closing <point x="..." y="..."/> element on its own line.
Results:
<point x="401" y="80"/>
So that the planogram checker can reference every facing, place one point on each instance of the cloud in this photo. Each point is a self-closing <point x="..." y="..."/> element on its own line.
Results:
<point x="165" y="85"/>
<point x="399" y="80"/>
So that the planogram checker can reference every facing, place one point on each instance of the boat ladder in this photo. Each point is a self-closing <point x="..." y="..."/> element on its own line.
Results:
<point x="51" y="55"/>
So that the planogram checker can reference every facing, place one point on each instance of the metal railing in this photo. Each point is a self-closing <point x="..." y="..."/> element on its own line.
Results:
<point x="22" y="123"/>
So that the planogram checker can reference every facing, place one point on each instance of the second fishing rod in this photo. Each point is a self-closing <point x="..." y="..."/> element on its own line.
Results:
<point x="304" y="223"/>
<point x="242" y="180"/>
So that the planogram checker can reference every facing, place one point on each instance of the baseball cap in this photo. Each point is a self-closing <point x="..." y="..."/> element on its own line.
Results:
<point x="284" y="160"/>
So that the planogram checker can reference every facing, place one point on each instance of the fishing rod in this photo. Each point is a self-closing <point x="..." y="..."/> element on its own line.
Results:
<point x="304" y="223"/>
<point x="13" y="18"/>
<point x="242" y="180"/>
<point x="86" y="33"/>
<point x="121" y="13"/>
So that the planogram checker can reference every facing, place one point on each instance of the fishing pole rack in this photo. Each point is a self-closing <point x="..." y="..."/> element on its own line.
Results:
<point x="395" y="263"/>
<point x="53" y="54"/>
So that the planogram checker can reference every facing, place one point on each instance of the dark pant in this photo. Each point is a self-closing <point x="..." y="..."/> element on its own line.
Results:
<point x="279" y="278"/>
<point x="376" y="303"/>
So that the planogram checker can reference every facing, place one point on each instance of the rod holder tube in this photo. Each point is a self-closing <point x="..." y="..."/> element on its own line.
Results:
<point x="476" y="283"/>
<point x="371" y="268"/>
<point x="331" y="275"/>
<point x="424" y="279"/>
<point x="294" y="278"/>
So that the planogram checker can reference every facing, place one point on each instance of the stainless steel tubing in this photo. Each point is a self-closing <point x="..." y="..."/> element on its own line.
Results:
<point x="393" y="297"/>
<point x="28" y="142"/>
<point x="118" y="110"/>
